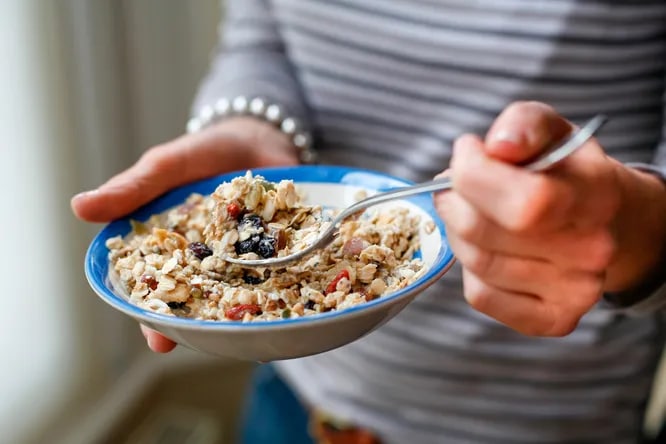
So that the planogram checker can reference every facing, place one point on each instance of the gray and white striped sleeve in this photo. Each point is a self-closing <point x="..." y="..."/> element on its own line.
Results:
<point x="250" y="61"/>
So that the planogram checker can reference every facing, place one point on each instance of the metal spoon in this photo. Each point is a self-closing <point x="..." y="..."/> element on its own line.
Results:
<point x="544" y="161"/>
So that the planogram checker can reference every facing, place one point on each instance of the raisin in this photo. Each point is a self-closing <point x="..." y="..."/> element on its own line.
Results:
<point x="200" y="250"/>
<point x="252" y="280"/>
<point x="266" y="247"/>
<point x="248" y="245"/>
<point x="251" y="220"/>
<point x="175" y="305"/>
<point x="310" y="304"/>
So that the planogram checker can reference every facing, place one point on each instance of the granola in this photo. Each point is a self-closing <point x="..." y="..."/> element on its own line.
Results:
<point x="174" y="263"/>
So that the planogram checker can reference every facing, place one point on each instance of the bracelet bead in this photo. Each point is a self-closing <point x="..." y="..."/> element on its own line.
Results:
<point x="259" y="108"/>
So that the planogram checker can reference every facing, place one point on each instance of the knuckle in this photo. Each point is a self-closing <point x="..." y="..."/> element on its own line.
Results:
<point x="533" y="329"/>
<point x="472" y="227"/>
<point x="479" y="298"/>
<point x="478" y="261"/>
<point x="601" y="251"/>
<point x="156" y="158"/>
<point x="549" y="322"/>
<point x="562" y="326"/>
<point x="588" y="295"/>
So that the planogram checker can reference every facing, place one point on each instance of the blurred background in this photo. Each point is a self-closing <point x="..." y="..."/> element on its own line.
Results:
<point x="86" y="86"/>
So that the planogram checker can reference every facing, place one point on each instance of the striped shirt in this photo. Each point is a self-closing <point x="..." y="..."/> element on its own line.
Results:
<point x="388" y="85"/>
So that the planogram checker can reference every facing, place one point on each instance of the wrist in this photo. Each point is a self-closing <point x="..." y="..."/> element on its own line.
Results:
<point x="260" y="143"/>
<point x="640" y="229"/>
<point x="260" y="110"/>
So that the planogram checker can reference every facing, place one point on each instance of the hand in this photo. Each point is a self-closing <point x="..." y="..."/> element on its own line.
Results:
<point x="234" y="144"/>
<point x="539" y="249"/>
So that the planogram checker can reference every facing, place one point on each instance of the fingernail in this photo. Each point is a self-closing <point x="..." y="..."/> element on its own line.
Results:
<point x="150" y="339"/>
<point x="86" y="194"/>
<point x="505" y="136"/>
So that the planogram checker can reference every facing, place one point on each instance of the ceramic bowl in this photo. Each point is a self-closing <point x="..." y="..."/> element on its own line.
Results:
<point x="286" y="338"/>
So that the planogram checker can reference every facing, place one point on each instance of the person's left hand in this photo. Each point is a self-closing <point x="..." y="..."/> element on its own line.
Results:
<point x="539" y="249"/>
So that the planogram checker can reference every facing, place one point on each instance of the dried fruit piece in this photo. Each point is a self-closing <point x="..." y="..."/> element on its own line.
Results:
<point x="266" y="247"/>
<point x="233" y="210"/>
<point x="330" y="288"/>
<point x="248" y="245"/>
<point x="200" y="250"/>
<point x="237" y="312"/>
<point x="250" y="220"/>
<point x="252" y="280"/>
<point x="277" y="232"/>
<point x="150" y="281"/>
<point x="353" y="247"/>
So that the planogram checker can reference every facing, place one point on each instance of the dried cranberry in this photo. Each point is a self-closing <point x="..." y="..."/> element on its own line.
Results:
<point x="266" y="247"/>
<point x="200" y="250"/>
<point x="248" y="245"/>
<point x="233" y="210"/>
<point x="237" y="312"/>
<point x="150" y="281"/>
<point x="331" y="287"/>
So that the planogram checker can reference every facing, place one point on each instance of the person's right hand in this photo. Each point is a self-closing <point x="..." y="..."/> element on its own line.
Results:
<point x="234" y="144"/>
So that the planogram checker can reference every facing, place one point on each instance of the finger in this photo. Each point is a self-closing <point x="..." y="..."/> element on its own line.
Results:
<point x="515" y="199"/>
<point x="572" y="248"/>
<point x="158" y="170"/>
<point x="157" y="342"/>
<point x="508" y="273"/>
<point x="572" y="289"/>
<point x="523" y="130"/>
<point x="521" y="312"/>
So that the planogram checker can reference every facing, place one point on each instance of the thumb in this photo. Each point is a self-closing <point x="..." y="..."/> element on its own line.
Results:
<point x="523" y="130"/>
<point x="183" y="160"/>
<point x="159" y="169"/>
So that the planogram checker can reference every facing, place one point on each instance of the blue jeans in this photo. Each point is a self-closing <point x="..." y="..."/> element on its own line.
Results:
<point x="272" y="414"/>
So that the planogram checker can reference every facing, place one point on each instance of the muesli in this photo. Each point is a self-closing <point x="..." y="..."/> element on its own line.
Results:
<point x="174" y="262"/>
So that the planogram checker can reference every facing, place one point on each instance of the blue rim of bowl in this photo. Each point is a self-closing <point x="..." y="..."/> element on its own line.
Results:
<point x="96" y="259"/>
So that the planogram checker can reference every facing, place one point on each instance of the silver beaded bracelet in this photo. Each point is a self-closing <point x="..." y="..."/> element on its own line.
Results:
<point x="256" y="107"/>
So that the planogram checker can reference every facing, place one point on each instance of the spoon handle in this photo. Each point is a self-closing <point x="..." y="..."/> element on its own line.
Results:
<point x="440" y="184"/>
<point x="550" y="157"/>
<point x="546" y="160"/>
<point x="564" y="148"/>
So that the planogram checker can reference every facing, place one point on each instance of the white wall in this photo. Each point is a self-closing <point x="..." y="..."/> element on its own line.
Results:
<point x="39" y="338"/>
<point x="84" y="88"/>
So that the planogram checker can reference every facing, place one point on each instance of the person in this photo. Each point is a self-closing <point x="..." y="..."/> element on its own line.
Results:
<point x="550" y="327"/>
